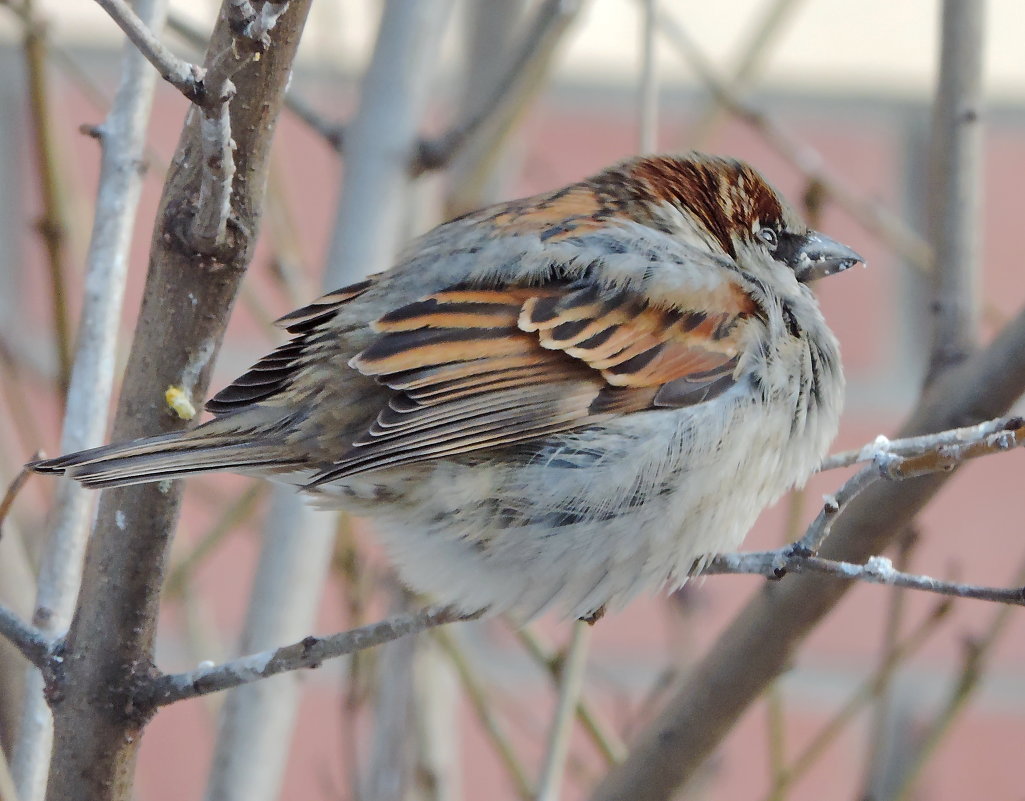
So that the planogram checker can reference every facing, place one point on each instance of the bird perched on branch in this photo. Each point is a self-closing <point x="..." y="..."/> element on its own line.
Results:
<point x="555" y="402"/>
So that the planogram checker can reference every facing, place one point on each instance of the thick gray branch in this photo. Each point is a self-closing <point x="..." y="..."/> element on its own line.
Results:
<point x="184" y="312"/>
<point x="955" y="181"/>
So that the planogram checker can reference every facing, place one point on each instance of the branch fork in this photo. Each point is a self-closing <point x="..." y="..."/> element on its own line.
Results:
<point x="210" y="89"/>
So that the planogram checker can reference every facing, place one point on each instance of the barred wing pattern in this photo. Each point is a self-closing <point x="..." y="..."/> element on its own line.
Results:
<point x="474" y="368"/>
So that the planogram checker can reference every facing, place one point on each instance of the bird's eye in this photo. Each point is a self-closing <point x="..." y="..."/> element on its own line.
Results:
<point x="769" y="237"/>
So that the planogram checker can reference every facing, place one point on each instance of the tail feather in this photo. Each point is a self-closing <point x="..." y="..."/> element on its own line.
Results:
<point x="167" y="456"/>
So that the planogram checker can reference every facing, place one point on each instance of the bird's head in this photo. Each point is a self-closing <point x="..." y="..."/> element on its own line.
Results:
<point x="726" y="206"/>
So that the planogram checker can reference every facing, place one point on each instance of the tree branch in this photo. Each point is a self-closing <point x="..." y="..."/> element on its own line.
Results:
<point x="876" y="570"/>
<point x="570" y="686"/>
<point x="537" y="44"/>
<point x="307" y="653"/>
<point x="955" y="180"/>
<point x="185" y="308"/>
<point x="122" y="138"/>
<point x="34" y="646"/>
<point x="211" y="89"/>
<point x="918" y="446"/>
<point x="186" y="77"/>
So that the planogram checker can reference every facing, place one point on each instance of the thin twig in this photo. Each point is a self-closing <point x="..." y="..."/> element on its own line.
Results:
<point x="752" y="52"/>
<point x="211" y="89"/>
<point x="538" y="43"/>
<point x="911" y="457"/>
<point x="864" y="693"/>
<point x="976" y="652"/>
<point x="13" y="489"/>
<point x="880" y="726"/>
<point x="333" y="132"/>
<point x="233" y="516"/>
<point x="883" y="223"/>
<point x="877" y="570"/>
<point x="479" y="700"/>
<point x="647" y="106"/>
<point x="916" y="446"/>
<point x="609" y="745"/>
<point x="186" y="77"/>
<point x="53" y="222"/>
<point x="821" y="526"/>
<point x="307" y="653"/>
<point x="572" y="682"/>
<point x="32" y="643"/>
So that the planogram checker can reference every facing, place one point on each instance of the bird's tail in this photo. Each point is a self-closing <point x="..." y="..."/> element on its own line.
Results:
<point x="174" y="455"/>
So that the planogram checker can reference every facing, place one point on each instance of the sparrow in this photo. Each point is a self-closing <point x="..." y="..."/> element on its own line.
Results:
<point x="553" y="402"/>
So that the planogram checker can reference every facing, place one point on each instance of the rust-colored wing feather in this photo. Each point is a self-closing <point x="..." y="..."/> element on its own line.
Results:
<point x="476" y="368"/>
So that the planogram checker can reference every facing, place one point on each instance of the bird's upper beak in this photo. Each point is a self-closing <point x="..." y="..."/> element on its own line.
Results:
<point x="816" y="256"/>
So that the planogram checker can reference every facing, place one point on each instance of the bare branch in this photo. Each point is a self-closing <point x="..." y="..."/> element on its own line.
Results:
<point x="12" y="491"/>
<point x="211" y="89"/>
<point x="54" y="221"/>
<point x="647" y="105"/>
<point x="122" y="140"/>
<point x="915" y="456"/>
<point x="295" y="554"/>
<point x="32" y="643"/>
<point x="868" y="690"/>
<point x="876" y="570"/>
<point x="184" y="311"/>
<point x="571" y="683"/>
<point x="606" y="741"/>
<point x="211" y="223"/>
<point x="955" y="179"/>
<point x="550" y="22"/>
<point x="918" y="446"/>
<point x="752" y="52"/>
<point x="822" y="525"/>
<point x="977" y="650"/>
<point x="477" y="695"/>
<point x="381" y="138"/>
<point x="333" y="132"/>
<point x="309" y="652"/>
<point x="210" y="227"/>
<point x="186" y="77"/>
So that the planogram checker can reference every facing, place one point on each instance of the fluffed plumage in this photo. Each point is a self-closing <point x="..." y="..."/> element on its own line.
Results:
<point x="559" y="400"/>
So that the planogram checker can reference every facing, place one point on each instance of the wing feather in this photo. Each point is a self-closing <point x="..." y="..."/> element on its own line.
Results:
<point x="473" y="368"/>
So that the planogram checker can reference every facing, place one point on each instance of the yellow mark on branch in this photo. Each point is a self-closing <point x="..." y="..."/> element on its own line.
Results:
<point x="178" y="400"/>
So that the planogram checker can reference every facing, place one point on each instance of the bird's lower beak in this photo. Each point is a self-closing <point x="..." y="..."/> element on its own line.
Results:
<point x="819" y="256"/>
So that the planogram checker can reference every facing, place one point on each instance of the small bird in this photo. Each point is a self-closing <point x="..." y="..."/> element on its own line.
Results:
<point x="554" y="402"/>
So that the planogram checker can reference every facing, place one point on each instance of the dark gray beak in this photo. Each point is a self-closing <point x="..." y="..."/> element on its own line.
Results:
<point x="815" y="256"/>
